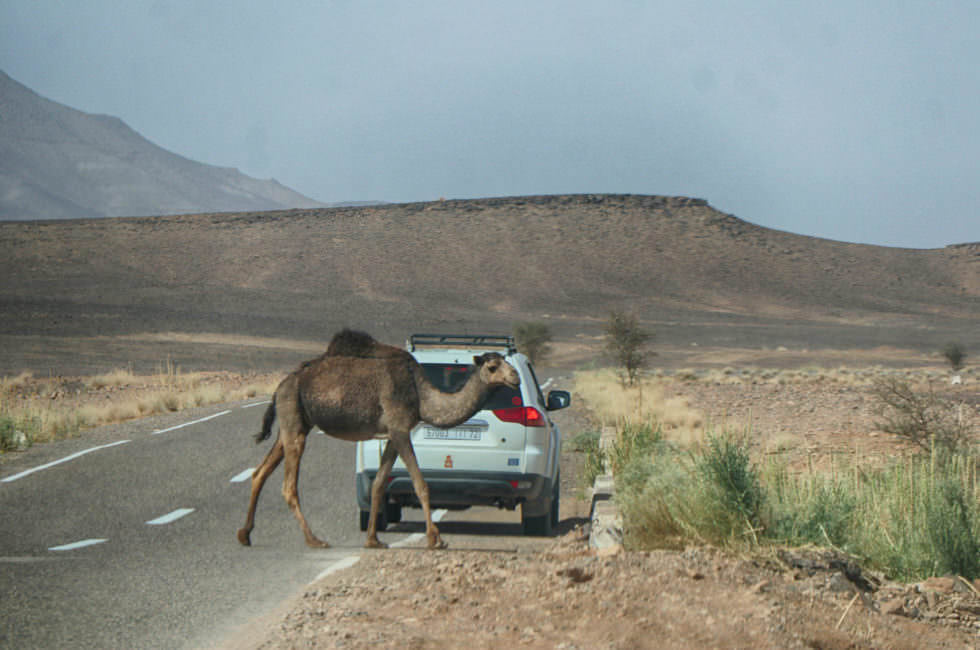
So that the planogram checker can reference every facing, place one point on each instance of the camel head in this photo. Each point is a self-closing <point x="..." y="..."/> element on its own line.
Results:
<point x="494" y="370"/>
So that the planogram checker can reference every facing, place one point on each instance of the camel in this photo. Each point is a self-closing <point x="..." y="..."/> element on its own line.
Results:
<point x="359" y="389"/>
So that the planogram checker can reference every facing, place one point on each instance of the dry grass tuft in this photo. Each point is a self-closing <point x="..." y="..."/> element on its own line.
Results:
<point x="112" y="379"/>
<point x="612" y="403"/>
<point x="57" y="408"/>
<point x="12" y="384"/>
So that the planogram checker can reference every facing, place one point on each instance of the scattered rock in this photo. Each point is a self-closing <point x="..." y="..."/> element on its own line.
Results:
<point x="575" y="574"/>
<point x="894" y="606"/>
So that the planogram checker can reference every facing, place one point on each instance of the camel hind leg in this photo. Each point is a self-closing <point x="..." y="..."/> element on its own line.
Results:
<point x="293" y="449"/>
<point x="259" y="476"/>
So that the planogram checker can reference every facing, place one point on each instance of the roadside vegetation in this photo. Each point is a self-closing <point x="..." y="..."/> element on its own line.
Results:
<point x="533" y="339"/>
<point x="681" y="481"/>
<point x="34" y="410"/>
<point x="626" y="341"/>
<point x="955" y="354"/>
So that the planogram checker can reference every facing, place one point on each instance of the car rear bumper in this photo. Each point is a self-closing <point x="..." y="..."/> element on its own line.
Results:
<point x="454" y="489"/>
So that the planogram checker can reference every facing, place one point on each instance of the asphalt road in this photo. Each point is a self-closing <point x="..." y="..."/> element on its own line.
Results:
<point x="131" y="543"/>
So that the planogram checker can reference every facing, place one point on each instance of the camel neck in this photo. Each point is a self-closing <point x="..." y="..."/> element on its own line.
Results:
<point x="450" y="409"/>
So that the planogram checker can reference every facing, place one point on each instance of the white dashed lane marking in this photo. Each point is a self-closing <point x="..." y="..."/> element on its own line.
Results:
<point x="192" y="422"/>
<point x="80" y="544"/>
<point x="170" y="517"/>
<point x="243" y="476"/>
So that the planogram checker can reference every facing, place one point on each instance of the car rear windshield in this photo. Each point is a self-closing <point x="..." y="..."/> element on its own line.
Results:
<point x="450" y="377"/>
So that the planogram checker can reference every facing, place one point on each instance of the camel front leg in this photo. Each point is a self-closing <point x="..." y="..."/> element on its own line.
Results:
<point x="290" y="487"/>
<point x="261" y="473"/>
<point x="407" y="453"/>
<point x="377" y="494"/>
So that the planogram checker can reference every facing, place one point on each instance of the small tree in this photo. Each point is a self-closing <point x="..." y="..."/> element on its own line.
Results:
<point x="533" y="340"/>
<point x="925" y="419"/>
<point x="955" y="354"/>
<point x="626" y="342"/>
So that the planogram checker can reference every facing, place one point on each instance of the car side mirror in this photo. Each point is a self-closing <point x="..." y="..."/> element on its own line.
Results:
<point x="558" y="399"/>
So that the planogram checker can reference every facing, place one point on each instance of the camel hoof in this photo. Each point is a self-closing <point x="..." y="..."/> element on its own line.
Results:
<point x="317" y="543"/>
<point x="375" y="543"/>
<point x="438" y="545"/>
<point x="243" y="537"/>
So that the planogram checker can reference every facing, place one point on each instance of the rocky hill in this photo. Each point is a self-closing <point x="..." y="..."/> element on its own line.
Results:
<point x="58" y="163"/>
<point x="692" y="273"/>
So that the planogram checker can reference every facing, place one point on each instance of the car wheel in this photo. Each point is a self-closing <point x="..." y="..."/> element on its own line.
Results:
<point x="537" y="526"/>
<point x="393" y="513"/>
<point x="556" y="496"/>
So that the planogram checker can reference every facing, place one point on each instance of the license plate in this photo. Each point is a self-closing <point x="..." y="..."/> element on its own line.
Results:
<point x="457" y="433"/>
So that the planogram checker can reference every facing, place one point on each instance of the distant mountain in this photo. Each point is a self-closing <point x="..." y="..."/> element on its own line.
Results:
<point x="60" y="163"/>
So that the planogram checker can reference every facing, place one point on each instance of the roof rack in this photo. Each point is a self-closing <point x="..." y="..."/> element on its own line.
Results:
<point x="463" y="340"/>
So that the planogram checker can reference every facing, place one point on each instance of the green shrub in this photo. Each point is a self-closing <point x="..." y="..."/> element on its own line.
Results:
<point x="812" y="509"/>
<point x="7" y="433"/>
<point x="17" y="432"/>
<point x="732" y="494"/>
<point x="658" y="502"/>
<point x="587" y="442"/>
<point x="952" y="530"/>
<point x="671" y="498"/>
<point x="633" y="441"/>
<point x="916" y="517"/>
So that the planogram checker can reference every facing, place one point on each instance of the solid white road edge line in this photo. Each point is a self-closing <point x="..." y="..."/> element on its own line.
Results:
<point x="248" y="406"/>
<point x="437" y="516"/>
<point x="351" y="560"/>
<point x="62" y="460"/>
<point x="243" y="476"/>
<point x="187" y="424"/>
<point x="339" y="565"/>
<point x="170" y="517"/>
<point x="80" y="544"/>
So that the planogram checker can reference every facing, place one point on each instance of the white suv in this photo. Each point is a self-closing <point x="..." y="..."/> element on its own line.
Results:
<point x="505" y="455"/>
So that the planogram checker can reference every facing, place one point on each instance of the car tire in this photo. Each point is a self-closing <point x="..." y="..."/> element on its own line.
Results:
<point x="537" y="526"/>
<point x="556" y="497"/>
<point x="393" y="513"/>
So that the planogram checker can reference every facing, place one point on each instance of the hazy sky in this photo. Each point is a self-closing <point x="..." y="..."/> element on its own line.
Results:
<point x="857" y="121"/>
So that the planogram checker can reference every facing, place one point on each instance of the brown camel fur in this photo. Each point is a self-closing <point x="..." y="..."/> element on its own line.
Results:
<point x="355" y="391"/>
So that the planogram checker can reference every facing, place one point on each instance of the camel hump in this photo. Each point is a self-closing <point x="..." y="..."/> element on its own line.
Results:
<point x="351" y="343"/>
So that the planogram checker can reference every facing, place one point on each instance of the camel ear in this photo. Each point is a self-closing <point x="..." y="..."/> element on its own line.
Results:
<point x="478" y="361"/>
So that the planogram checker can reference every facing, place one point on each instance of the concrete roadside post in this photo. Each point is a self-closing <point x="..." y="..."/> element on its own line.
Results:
<point x="606" y="530"/>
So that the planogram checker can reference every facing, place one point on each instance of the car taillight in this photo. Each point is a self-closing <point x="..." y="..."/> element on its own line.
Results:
<point x="526" y="415"/>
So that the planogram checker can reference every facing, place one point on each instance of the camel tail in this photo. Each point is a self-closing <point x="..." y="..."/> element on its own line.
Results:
<point x="267" y="420"/>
